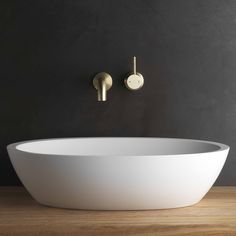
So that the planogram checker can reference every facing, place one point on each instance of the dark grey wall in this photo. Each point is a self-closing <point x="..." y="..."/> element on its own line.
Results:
<point x="51" y="49"/>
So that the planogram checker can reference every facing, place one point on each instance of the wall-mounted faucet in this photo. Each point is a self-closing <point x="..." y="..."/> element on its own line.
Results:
<point x="102" y="82"/>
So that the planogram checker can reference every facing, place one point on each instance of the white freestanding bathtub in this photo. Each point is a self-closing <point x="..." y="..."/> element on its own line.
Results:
<point x="118" y="173"/>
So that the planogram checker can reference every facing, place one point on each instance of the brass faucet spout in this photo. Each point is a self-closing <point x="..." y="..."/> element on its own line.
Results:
<point x="102" y="82"/>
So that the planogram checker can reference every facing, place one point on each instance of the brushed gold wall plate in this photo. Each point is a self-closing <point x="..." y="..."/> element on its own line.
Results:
<point x="134" y="80"/>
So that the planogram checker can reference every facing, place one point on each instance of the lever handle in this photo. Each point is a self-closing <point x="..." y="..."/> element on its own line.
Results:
<point x="134" y="80"/>
<point x="134" y="64"/>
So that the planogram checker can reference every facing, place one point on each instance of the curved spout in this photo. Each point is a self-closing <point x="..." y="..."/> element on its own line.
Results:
<point x="102" y="82"/>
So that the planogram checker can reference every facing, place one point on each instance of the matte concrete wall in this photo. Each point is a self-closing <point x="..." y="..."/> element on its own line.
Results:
<point x="50" y="51"/>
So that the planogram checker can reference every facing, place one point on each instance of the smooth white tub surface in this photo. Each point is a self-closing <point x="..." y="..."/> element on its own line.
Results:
<point x="118" y="173"/>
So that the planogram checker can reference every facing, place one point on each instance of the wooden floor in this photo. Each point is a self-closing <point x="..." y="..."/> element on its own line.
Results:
<point x="21" y="215"/>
